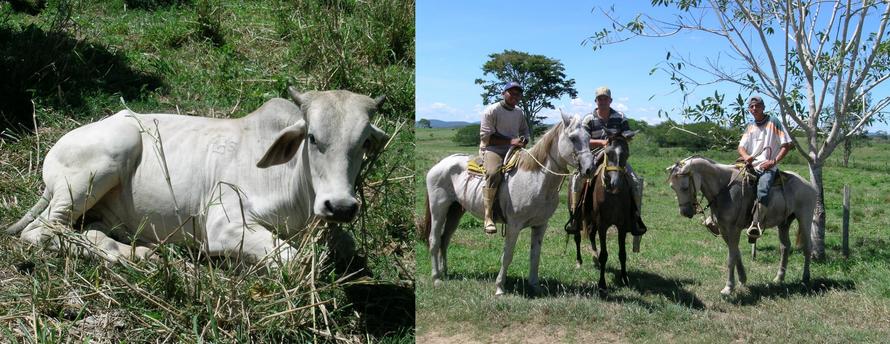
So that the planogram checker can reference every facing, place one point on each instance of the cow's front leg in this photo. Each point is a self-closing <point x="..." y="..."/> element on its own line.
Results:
<point x="252" y="243"/>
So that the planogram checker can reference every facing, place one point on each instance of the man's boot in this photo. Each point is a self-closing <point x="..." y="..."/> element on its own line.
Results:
<point x="488" y="202"/>
<point x="638" y="228"/>
<point x="574" y="198"/>
<point x="754" y="231"/>
<point x="711" y="223"/>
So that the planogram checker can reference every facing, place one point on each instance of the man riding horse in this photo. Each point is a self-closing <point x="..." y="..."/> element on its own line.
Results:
<point x="503" y="126"/>
<point x="607" y="118"/>
<point x="764" y="143"/>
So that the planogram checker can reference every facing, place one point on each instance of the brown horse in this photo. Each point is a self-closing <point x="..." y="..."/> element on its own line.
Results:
<point x="607" y="200"/>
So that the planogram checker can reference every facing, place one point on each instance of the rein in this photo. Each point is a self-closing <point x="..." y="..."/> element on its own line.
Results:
<point x="547" y="169"/>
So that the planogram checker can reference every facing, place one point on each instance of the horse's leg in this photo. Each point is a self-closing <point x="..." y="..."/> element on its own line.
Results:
<point x="622" y="256"/>
<point x="534" y="259"/>
<point x="438" y="219"/>
<point x="803" y="236"/>
<point x="784" y="247"/>
<point x="509" y="244"/>
<point x="731" y="237"/>
<point x="603" y="258"/>
<point x="578" y="259"/>
<point x="455" y="212"/>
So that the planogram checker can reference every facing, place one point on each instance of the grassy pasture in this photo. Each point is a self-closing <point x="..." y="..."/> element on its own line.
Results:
<point x="675" y="279"/>
<point x="75" y="61"/>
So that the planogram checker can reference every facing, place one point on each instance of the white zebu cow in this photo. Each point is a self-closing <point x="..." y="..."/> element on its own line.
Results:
<point x="224" y="183"/>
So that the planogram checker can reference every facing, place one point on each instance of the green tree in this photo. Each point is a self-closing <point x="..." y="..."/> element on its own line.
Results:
<point x="467" y="136"/>
<point x="424" y="123"/>
<point x="542" y="78"/>
<point x="791" y="51"/>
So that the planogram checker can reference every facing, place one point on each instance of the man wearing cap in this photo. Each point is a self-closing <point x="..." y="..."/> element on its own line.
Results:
<point x="503" y="126"/>
<point x="764" y="143"/>
<point x="607" y="118"/>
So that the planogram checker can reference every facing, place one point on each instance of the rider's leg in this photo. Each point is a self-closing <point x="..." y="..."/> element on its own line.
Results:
<point x="763" y="184"/>
<point x="492" y="163"/>
<point x="636" y="183"/>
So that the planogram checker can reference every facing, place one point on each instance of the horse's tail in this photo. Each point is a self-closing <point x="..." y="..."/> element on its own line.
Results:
<point x="32" y="214"/>
<point x="423" y="226"/>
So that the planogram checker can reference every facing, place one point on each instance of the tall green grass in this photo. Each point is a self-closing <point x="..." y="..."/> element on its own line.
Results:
<point x="80" y="61"/>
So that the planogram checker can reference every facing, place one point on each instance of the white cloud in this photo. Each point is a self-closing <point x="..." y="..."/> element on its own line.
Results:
<point x="619" y="106"/>
<point x="445" y="112"/>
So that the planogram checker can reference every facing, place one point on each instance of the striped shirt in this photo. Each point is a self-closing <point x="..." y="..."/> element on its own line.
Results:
<point x="764" y="141"/>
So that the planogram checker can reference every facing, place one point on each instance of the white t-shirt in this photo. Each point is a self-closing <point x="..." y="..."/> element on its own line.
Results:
<point x="497" y="119"/>
<point x="763" y="142"/>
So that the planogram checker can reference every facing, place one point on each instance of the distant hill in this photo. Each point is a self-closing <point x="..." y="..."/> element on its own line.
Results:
<point x="435" y="123"/>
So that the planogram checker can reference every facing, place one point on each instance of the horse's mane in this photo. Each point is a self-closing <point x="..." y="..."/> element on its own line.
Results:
<point x="540" y="150"/>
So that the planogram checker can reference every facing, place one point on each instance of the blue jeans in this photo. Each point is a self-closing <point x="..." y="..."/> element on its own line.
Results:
<point x="763" y="185"/>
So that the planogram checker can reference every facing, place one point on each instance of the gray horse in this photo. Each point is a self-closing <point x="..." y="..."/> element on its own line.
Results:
<point x="731" y="200"/>
<point x="528" y="196"/>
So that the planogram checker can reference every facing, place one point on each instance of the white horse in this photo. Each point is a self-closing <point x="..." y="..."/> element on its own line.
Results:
<point x="528" y="195"/>
<point x="731" y="201"/>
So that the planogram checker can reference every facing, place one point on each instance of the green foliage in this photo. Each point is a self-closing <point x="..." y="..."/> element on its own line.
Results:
<point x="695" y="137"/>
<point x="542" y="78"/>
<point x="424" y="123"/>
<point x="467" y="136"/>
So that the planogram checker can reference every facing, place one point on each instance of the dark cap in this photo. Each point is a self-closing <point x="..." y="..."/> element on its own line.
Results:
<point x="755" y="100"/>
<point x="512" y="84"/>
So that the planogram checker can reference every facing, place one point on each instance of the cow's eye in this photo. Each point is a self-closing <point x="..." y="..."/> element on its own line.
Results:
<point x="311" y="139"/>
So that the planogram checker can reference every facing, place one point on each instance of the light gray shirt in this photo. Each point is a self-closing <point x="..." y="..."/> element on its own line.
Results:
<point x="498" y="119"/>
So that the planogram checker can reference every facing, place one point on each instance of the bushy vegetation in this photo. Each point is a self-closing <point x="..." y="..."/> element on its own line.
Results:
<point x="695" y="137"/>
<point x="467" y="136"/>
<point x="77" y="61"/>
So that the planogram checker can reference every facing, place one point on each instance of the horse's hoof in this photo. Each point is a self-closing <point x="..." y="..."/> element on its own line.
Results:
<point x="577" y="265"/>
<point x="726" y="291"/>
<point x="437" y="283"/>
<point x="778" y="279"/>
<point x="535" y="290"/>
<point x="499" y="292"/>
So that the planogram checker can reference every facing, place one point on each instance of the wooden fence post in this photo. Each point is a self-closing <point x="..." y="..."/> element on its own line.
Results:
<point x="846" y="226"/>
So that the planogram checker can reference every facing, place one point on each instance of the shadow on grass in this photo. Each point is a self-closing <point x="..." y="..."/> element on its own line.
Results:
<point x="641" y="282"/>
<point x="60" y="71"/>
<point x="817" y="287"/>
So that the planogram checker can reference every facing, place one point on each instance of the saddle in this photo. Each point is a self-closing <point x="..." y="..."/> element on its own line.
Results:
<point x="749" y="176"/>
<point x="475" y="165"/>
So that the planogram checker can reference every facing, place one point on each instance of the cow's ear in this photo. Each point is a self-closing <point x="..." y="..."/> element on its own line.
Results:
<point x="285" y="146"/>
<point x="378" y="104"/>
<point x="378" y="139"/>
<point x="296" y="96"/>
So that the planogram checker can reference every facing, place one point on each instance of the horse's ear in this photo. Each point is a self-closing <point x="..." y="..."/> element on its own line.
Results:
<point x="566" y="120"/>
<point x="629" y="134"/>
<point x="587" y="122"/>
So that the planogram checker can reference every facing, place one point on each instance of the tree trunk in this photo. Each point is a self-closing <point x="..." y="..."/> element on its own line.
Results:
<point x="848" y="149"/>
<point x="817" y="233"/>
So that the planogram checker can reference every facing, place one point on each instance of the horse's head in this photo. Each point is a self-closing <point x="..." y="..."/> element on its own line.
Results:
<point x="682" y="180"/>
<point x="574" y="143"/>
<point x="616" y="153"/>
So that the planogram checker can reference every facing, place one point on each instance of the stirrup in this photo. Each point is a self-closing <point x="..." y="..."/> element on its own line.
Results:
<point x="754" y="231"/>
<point x="492" y="229"/>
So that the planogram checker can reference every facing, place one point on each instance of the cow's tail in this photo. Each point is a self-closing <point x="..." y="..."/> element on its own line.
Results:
<point x="424" y="226"/>
<point x="31" y="215"/>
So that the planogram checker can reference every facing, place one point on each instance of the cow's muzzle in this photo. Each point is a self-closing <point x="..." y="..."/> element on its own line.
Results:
<point x="340" y="210"/>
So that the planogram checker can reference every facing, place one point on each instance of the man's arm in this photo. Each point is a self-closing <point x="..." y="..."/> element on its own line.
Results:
<point x="744" y="154"/>
<point x="783" y="150"/>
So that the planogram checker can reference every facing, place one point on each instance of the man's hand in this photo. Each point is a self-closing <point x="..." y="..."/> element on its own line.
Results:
<point x="748" y="160"/>
<point x="519" y="142"/>
<point x="768" y="164"/>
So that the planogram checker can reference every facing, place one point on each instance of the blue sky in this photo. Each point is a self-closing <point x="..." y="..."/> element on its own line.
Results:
<point x="454" y="39"/>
